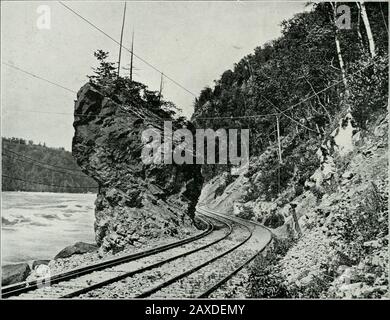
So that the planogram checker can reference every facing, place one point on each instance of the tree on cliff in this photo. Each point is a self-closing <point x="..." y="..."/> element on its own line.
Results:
<point x="105" y="73"/>
<point x="107" y="81"/>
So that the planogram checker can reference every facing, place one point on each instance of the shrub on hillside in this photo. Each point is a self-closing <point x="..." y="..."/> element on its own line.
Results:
<point x="313" y="290"/>
<point x="246" y="213"/>
<point x="274" y="220"/>
<point x="355" y="227"/>
<point x="369" y="89"/>
<point x="265" y="280"/>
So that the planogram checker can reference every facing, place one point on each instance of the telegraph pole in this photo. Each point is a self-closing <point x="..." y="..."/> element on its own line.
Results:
<point x="279" y="144"/>
<point x="279" y="149"/>
<point x="120" y="46"/>
<point x="161" y="85"/>
<point x="131" y="58"/>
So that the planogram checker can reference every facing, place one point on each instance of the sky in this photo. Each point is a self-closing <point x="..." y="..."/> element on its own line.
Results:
<point x="191" y="42"/>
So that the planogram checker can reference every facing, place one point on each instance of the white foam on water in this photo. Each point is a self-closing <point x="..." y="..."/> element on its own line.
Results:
<point x="37" y="225"/>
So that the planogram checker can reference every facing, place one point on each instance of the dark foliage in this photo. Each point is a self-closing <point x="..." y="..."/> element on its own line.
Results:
<point x="52" y="166"/>
<point x="265" y="278"/>
<point x="301" y="69"/>
<point x="133" y="93"/>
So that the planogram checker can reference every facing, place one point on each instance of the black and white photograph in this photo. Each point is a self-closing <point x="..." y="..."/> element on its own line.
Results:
<point x="200" y="151"/>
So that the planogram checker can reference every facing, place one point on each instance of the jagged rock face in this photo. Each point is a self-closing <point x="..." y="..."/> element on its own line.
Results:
<point x="340" y="142"/>
<point x="135" y="202"/>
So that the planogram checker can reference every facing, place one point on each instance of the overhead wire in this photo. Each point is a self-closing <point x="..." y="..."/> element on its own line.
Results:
<point x="45" y="184"/>
<point x="127" y="49"/>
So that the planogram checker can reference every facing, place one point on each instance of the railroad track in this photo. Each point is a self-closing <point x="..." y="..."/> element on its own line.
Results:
<point x="94" y="276"/>
<point x="244" y="261"/>
<point x="217" y="254"/>
<point x="206" y="278"/>
<point x="192" y="275"/>
<point x="27" y="286"/>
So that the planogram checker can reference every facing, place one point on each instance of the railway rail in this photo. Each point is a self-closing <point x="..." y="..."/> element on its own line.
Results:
<point x="27" y="286"/>
<point x="226" y="246"/>
<point x="243" y="264"/>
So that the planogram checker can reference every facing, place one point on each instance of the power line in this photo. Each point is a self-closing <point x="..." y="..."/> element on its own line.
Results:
<point x="127" y="49"/>
<point x="38" y="77"/>
<point x="198" y="118"/>
<point x="40" y="162"/>
<point x="287" y="116"/>
<point x="45" y="184"/>
<point x="78" y="114"/>
<point x="330" y="86"/>
<point x="292" y="106"/>
<point x="62" y="113"/>
<point x="238" y="117"/>
<point x="75" y="173"/>
<point x="46" y="112"/>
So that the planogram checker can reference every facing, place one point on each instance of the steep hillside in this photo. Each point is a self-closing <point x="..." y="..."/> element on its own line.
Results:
<point x="308" y="78"/>
<point x="342" y="251"/>
<point x="325" y="193"/>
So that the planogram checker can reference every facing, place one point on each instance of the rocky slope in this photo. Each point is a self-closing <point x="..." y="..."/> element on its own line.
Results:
<point x="343" y="215"/>
<point x="135" y="202"/>
<point x="343" y="252"/>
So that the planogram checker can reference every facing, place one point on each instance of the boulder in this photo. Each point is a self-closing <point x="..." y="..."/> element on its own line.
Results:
<point x="14" y="273"/>
<point x="42" y="271"/>
<point x="77" y="248"/>
<point x="381" y="130"/>
<point x="6" y="222"/>
<point x="373" y="244"/>
<point x="347" y="175"/>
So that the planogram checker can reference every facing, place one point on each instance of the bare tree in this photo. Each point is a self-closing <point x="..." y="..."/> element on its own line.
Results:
<point x="366" y="22"/>
<point x="358" y="28"/>
<point x="338" y="49"/>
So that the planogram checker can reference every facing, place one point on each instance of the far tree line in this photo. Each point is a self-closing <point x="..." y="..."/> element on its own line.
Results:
<point x="27" y="166"/>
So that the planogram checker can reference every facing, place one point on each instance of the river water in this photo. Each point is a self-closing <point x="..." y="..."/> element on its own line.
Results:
<point x="37" y="225"/>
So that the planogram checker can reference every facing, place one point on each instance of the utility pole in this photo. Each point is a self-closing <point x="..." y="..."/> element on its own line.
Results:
<point x="131" y="58"/>
<point x="161" y="86"/>
<point x="120" y="46"/>
<point x="279" y="145"/>
<point x="279" y="149"/>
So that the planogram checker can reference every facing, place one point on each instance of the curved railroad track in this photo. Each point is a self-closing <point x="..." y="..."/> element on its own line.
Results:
<point x="27" y="286"/>
<point x="193" y="267"/>
<point x="244" y="261"/>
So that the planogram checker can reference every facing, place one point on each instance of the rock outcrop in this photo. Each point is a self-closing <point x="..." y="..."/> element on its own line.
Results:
<point x="14" y="273"/>
<point x="135" y="201"/>
<point x="77" y="248"/>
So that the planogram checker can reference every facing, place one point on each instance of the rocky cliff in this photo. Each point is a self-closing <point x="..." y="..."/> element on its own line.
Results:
<point x="135" y="202"/>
